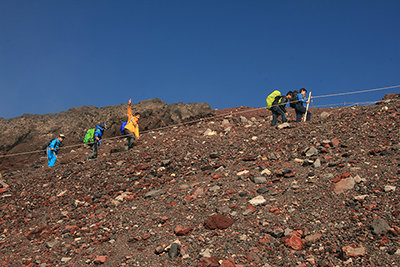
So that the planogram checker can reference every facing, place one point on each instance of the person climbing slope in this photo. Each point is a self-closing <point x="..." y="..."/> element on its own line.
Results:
<point x="52" y="150"/>
<point x="131" y="128"/>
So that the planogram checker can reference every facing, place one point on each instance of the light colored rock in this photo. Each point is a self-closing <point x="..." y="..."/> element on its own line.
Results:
<point x="324" y="115"/>
<point x="122" y="196"/>
<point x="344" y="184"/>
<point x="317" y="163"/>
<point x="65" y="259"/>
<point x="312" y="152"/>
<point x="299" y="160"/>
<point x="353" y="252"/>
<point x="389" y="188"/>
<point x="209" y="132"/>
<point x="266" y="171"/>
<point x="258" y="200"/>
<point x="225" y="122"/>
<point x="360" y="197"/>
<point x="205" y="253"/>
<point x="242" y="172"/>
<point x="358" y="179"/>
<point x="283" y="125"/>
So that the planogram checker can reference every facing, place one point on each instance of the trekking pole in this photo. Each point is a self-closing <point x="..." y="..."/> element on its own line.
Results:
<point x="305" y="114"/>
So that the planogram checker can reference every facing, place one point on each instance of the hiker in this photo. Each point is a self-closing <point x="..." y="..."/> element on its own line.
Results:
<point x="131" y="129"/>
<point x="52" y="150"/>
<point x="97" y="136"/>
<point x="278" y="107"/>
<point x="300" y="108"/>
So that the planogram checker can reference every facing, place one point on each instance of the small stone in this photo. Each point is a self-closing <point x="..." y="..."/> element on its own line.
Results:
<point x="242" y="173"/>
<point x="324" y="115"/>
<point x="218" y="221"/>
<point x="260" y="180"/>
<point x="205" y="253"/>
<point x="214" y="189"/>
<point x="350" y="251"/>
<point x="360" y="197"/>
<point x="100" y="260"/>
<point x="312" y="152"/>
<point x="159" y="249"/>
<point x="258" y="200"/>
<point x="154" y="193"/>
<point x="262" y="190"/>
<point x="283" y="125"/>
<point x="312" y="238"/>
<point x="165" y="162"/>
<point x="209" y="132"/>
<point x="389" y="188"/>
<point x="335" y="142"/>
<point x="345" y="184"/>
<point x="379" y="226"/>
<point x="173" y="250"/>
<point x="293" y="240"/>
<point x="65" y="259"/>
<point x="51" y="244"/>
<point x="317" y="163"/>
<point x="180" y="231"/>
<point x="266" y="171"/>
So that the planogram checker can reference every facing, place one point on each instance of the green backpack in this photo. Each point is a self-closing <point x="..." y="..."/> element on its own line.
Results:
<point x="89" y="136"/>
<point x="271" y="98"/>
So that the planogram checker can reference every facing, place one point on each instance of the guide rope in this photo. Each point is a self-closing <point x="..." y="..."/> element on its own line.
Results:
<point x="225" y="115"/>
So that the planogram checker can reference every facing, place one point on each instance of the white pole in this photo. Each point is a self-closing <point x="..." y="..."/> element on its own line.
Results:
<point x="305" y="114"/>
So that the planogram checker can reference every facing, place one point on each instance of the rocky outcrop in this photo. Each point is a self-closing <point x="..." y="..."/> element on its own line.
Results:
<point x="29" y="132"/>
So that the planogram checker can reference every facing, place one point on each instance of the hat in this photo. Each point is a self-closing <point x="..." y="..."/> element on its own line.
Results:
<point x="61" y="135"/>
<point x="103" y="125"/>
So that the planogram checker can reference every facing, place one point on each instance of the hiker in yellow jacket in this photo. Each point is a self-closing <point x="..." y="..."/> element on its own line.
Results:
<point x="131" y="128"/>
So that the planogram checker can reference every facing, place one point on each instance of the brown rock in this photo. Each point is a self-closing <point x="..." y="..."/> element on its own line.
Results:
<point x="218" y="221"/>
<point x="343" y="185"/>
<point x="312" y="238"/>
<point x="180" y="231"/>
<point x="209" y="262"/>
<point x="335" y="142"/>
<point x="352" y="251"/>
<point x="293" y="240"/>
<point x="100" y="260"/>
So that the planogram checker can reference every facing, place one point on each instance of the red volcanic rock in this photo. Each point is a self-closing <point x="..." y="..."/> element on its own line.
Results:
<point x="344" y="175"/>
<point x="218" y="221"/>
<point x="100" y="260"/>
<point x="209" y="262"/>
<point x="179" y="230"/>
<point x="293" y="240"/>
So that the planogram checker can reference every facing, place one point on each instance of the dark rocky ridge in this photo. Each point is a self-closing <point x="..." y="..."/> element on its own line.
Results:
<point x="227" y="191"/>
<point x="29" y="132"/>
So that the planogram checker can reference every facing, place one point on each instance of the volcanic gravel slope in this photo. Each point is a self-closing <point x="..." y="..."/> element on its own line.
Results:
<point x="222" y="192"/>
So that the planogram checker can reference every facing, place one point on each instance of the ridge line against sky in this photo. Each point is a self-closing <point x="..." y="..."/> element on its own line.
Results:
<point x="55" y="55"/>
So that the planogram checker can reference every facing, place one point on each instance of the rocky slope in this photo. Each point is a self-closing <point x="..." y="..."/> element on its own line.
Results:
<point x="29" y="132"/>
<point x="226" y="191"/>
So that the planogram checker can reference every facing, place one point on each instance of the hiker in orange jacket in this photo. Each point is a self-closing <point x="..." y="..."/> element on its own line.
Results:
<point x="131" y="128"/>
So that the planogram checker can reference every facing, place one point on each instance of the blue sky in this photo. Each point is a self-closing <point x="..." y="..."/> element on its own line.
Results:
<point x="55" y="55"/>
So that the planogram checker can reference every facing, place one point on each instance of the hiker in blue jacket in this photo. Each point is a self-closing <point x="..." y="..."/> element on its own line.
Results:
<point x="98" y="135"/>
<point x="52" y="150"/>
<point x="300" y="106"/>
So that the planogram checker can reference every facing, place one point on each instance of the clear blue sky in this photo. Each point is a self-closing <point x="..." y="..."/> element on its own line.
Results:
<point x="57" y="54"/>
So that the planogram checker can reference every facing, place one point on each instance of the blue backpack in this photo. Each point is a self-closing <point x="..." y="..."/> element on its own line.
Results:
<point x="123" y="127"/>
